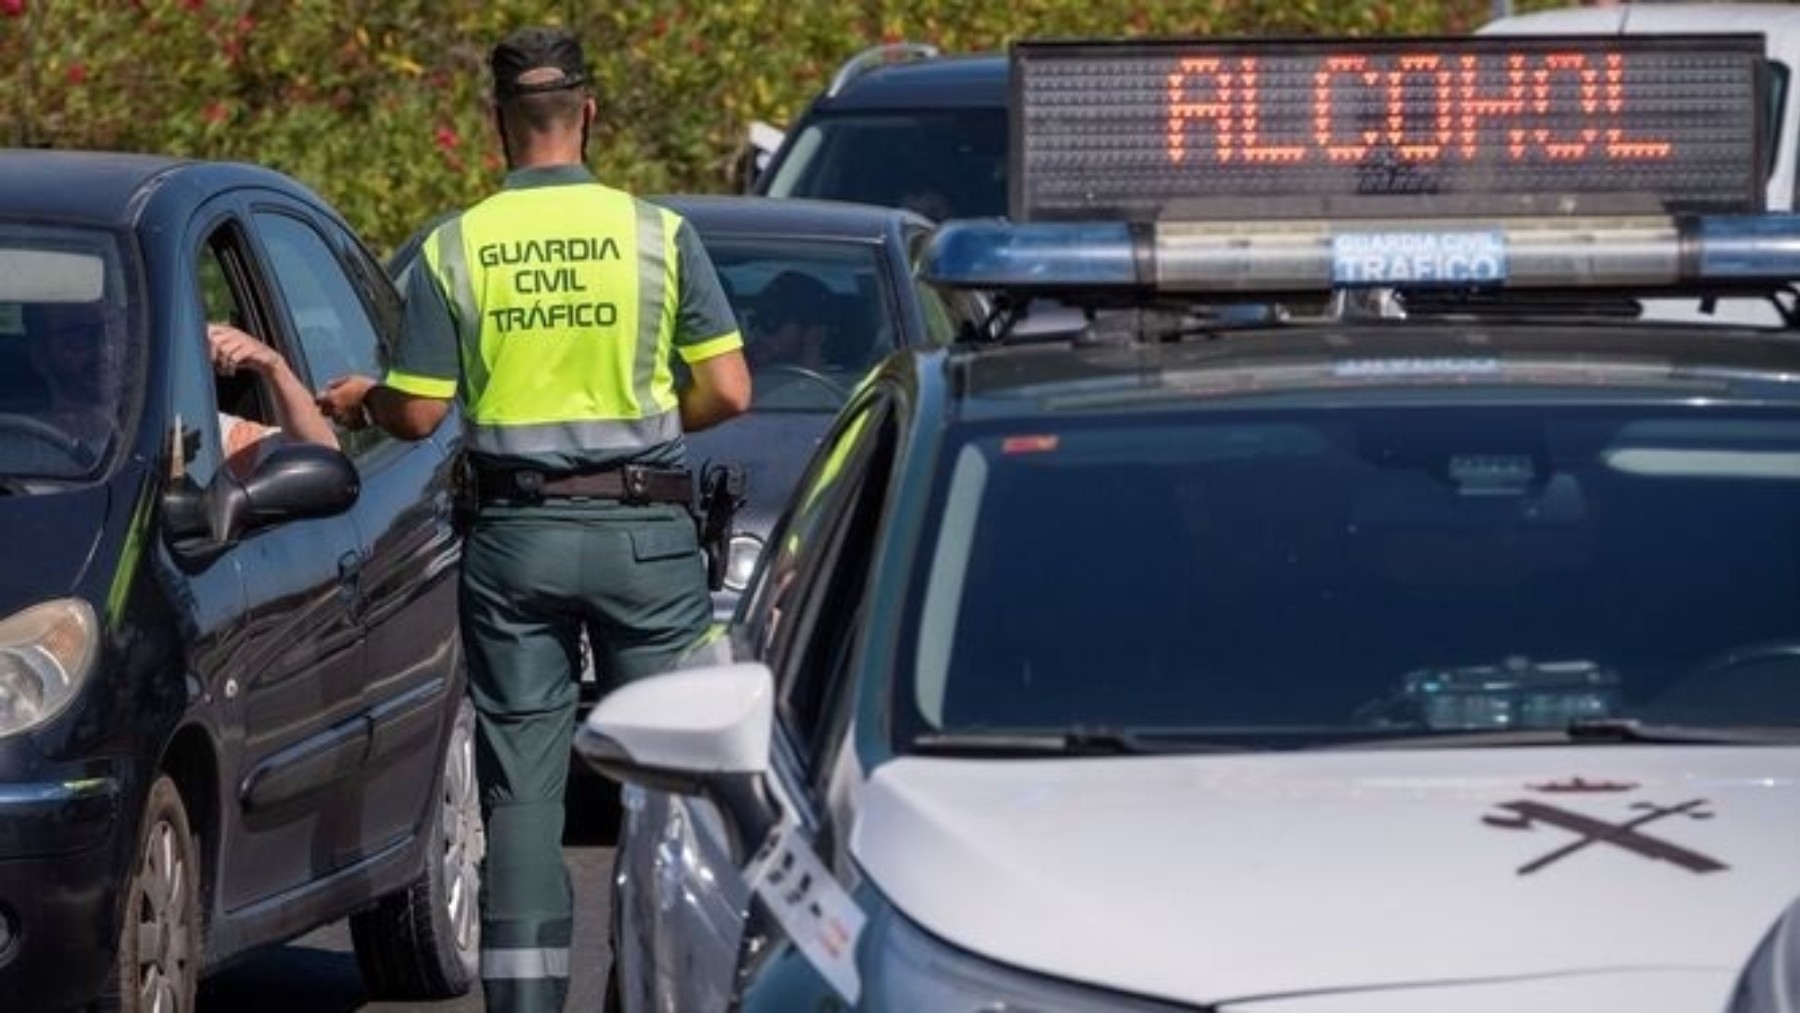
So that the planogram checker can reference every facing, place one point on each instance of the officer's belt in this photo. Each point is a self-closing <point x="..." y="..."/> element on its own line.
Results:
<point x="633" y="484"/>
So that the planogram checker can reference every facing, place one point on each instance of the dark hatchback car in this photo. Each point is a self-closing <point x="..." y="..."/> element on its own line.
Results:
<point x="231" y="698"/>
<point x="904" y="126"/>
<point x="823" y="291"/>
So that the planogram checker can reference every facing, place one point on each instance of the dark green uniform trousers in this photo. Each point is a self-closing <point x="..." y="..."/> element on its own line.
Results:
<point x="533" y="577"/>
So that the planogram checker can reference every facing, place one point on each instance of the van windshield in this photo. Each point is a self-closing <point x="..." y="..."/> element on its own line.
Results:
<point x="941" y="163"/>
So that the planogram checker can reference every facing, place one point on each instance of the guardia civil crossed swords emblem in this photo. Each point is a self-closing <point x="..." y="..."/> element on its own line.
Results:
<point x="1588" y="830"/>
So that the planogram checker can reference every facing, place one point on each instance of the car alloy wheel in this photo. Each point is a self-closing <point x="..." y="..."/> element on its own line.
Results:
<point x="424" y="942"/>
<point x="465" y="838"/>
<point x="159" y="943"/>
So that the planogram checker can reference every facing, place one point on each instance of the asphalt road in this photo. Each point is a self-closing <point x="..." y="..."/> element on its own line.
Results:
<point x="317" y="972"/>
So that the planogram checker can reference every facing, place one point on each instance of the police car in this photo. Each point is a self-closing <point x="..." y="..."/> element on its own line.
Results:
<point x="1366" y="609"/>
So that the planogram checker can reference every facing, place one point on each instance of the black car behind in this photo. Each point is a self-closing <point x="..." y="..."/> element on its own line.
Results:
<point x="849" y="270"/>
<point x="904" y="126"/>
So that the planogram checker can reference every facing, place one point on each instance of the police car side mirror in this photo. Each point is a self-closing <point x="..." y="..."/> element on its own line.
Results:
<point x="698" y="731"/>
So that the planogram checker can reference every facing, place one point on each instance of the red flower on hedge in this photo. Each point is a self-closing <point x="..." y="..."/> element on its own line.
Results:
<point x="217" y="112"/>
<point x="447" y="139"/>
<point x="78" y="73"/>
<point x="12" y="8"/>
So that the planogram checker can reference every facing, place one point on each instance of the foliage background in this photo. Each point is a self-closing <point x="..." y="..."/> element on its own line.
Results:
<point x="380" y="104"/>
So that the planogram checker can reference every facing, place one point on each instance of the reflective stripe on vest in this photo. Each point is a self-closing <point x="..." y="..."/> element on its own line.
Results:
<point x="566" y="335"/>
<point x="525" y="964"/>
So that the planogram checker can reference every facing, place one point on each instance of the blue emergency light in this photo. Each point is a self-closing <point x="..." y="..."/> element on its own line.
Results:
<point x="1238" y="258"/>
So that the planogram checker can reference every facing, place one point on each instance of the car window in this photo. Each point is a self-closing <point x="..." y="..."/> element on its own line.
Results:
<point x="1306" y="577"/>
<point x="816" y="315"/>
<point x="801" y="613"/>
<point x="944" y="163"/>
<point x="334" y="326"/>
<point x="815" y="678"/>
<point x="338" y="335"/>
<point x="227" y="290"/>
<point x="70" y="351"/>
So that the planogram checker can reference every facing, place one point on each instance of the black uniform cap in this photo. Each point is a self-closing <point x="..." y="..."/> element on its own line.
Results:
<point x="537" y="49"/>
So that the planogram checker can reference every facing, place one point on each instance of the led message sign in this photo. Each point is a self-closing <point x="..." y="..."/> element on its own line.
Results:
<point x="1489" y="125"/>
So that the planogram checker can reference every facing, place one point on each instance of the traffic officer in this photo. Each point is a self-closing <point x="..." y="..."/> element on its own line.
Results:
<point x="549" y="313"/>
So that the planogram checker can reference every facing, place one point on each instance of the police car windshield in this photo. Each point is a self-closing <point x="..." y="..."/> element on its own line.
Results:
<point x="1298" y="577"/>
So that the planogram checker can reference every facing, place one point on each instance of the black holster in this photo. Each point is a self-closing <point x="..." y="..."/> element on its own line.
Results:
<point x="465" y="495"/>
<point x="722" y="489"/>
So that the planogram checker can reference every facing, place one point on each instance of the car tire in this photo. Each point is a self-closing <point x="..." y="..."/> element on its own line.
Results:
<point x="610" y="1001"/>
<point x="162" y="912"/>
<point x="424" y="942"/>
<point x="610" y="998"/>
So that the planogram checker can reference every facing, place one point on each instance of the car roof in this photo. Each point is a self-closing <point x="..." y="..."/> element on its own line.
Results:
<point x="111" y="187"/>
<point x="946" y="82"/>
<point x="1779" y="24"/>
<point x="1024" y="380"/>
<point x="96" y="186"/>
<point x="1642" y="18"/>
<point x="722" y="213"/>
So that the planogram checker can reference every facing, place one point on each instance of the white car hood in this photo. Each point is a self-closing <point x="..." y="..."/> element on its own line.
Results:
<point x="1204" y="879"/>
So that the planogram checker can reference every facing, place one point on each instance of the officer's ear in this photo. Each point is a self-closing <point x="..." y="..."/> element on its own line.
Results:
<point x="589" y="109"/>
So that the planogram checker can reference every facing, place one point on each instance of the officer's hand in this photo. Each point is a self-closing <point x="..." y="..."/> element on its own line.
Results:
<point x="342" y="401"/>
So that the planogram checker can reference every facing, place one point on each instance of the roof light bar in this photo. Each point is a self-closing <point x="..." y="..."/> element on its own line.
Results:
<point x="993" y="254"/>
<point x="1656" y="252"/>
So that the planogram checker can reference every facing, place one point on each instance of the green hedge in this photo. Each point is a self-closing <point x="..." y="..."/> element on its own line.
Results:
<point x="379" y="104"/>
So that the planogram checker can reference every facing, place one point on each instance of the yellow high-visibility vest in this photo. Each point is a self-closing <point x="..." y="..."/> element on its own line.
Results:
<point x="564" y="300"/>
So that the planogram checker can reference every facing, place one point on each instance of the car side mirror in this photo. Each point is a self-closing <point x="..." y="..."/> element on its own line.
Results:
<point x="697" y="731"/>
<point x="292" y="481"/>
<point x="1048" y="320"/>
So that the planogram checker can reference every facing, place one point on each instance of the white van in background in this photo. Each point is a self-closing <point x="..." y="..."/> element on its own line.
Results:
<point x="1778" y="23"/>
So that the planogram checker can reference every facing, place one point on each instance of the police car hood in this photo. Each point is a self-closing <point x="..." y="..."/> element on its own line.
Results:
<point x="1203" y="879"/>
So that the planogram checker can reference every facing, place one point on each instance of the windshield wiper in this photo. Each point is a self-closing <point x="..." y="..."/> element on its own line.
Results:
<point x="1588" y="730"/>
<point x="1634" y="730"/>
<point x="1071" y="742"/>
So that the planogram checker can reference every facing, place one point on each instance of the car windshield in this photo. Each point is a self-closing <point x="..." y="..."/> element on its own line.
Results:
<point x="816" y="316"/>
<point x="947" y="163"/>
<point x="67" y="365"/>
<point x="1362" y="574"/>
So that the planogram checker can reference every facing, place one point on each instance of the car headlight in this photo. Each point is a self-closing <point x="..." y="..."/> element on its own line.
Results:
<point x="740" y="560"/>
<point x="46" y="652"/>
<point x="910" y="970"/>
